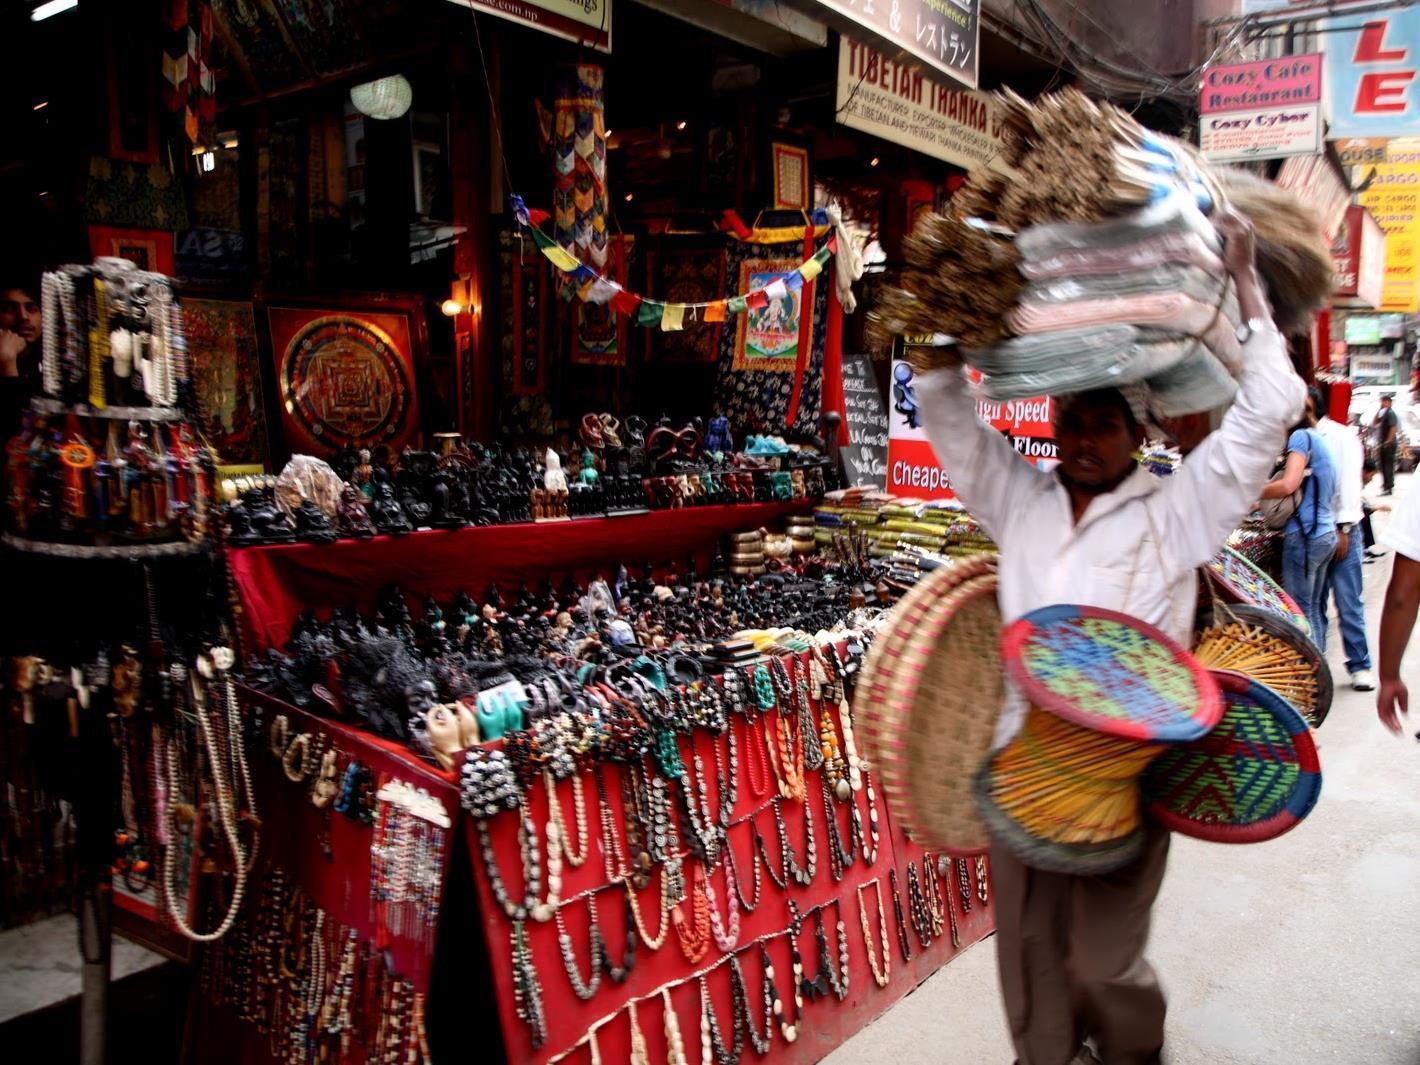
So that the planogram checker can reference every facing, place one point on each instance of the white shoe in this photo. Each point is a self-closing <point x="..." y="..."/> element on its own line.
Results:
<point x="1363" y="680"/>
<point x="1375" y="552"/>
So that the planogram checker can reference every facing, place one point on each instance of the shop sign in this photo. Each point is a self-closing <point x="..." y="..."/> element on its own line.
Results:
<point x="1393" y="197"/>
<point x="1372" y="89"/>
<point x="913" y="469"/>
<point x="1358" y="253"/>
<point x="1392" y="326"/>
<point x="210" y="254"/>
<point x="902" y="103"/>
<point x="1376" y="369"/>
<point x="1363" y="329"/>
<point x="1263" y="110"/>
<point x="588" y="22"/>
<point x="944" y="34"/>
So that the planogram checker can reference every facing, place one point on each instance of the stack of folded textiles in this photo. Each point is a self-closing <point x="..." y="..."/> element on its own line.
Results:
<point x="1094" y="264"/>
<point x="892" y="523"/>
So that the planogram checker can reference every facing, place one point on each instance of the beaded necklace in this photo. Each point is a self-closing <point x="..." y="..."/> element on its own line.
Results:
<point x="802" y="875"/>
<point x="712" y="1039"/>
<point x="620" y="973"/>
<point x="814" y="754"/>
<point x="675" y="1042"/>
<point x="652" y="942"/>
<point x="575" y="856"/>
<point x="694" y="935"/>
<point x="981" y="890"/>
<point x="963" y="872"/>
<point x="917" y="908"/>
<point x="583" y="989"/>
<point x="527" y="992"/>
<point x="936" y="900"/>
<point x="790" y="1032"/>
<point x="839" y="855"/>
<point x="640" y="1055"/>
<point x="759" y="1037"/>
<point x="751" y="904"/>
<point x="725" y="937"/>
<point x="881" y="970"/>
<point x="902" y="942"/>
<point x="757" y="762"/>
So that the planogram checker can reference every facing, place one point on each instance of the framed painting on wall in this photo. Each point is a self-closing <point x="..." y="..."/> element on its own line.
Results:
<point x="225" y="361"/>
<point x="148" y="249"/>
<point x="791" y="177"/>
<point x="768" y="333"/>
<point x="346" y="372"/>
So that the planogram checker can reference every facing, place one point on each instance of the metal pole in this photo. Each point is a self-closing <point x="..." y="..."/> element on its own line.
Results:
<point x="96" y="947"/>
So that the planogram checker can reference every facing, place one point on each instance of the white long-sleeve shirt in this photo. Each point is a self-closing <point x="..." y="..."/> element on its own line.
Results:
<point x="1350" y="456"/>
<point x="1135" y="549"/>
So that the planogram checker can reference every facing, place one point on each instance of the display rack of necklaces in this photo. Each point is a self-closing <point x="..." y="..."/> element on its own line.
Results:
<point x="579" y="900"/>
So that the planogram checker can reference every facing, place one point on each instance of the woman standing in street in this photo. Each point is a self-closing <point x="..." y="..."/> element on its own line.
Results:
<point x="1311" y="538"/>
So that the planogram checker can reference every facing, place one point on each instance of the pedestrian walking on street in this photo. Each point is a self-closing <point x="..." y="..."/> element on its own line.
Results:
<point x="1344" y="572"/>
<point x="1387" y="426"/>
<point x="1102" y="531"/>
<point x="1310" y="539"/>
<point x="1402" y="598"/>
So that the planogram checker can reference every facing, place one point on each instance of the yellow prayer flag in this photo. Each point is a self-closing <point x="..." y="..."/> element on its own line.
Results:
<point x="560" y="258"/>
<point x="811" y="269"/>
<point x="673" y="318"/>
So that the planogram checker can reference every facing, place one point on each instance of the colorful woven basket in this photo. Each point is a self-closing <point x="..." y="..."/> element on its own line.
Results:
<point x="1242" y="582"/>
<point x="1258" y="643"/>
<point x="1104" y="689"/>
<point x="1105" y="671"/>
<point x="1251" y="779"/>
<point x="928" y="699"/>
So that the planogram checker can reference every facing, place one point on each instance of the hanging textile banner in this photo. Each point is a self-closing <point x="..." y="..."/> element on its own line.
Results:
<point x="784" y="279"/>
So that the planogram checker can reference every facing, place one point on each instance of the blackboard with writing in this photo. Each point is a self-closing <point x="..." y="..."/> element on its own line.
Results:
<point x="865" y="457"/>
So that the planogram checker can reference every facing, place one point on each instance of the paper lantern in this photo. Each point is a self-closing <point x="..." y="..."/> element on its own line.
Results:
<point x="383" y="98"/>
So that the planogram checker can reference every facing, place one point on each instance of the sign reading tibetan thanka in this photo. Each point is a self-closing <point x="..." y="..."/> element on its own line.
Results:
<point x="903" y="103"/>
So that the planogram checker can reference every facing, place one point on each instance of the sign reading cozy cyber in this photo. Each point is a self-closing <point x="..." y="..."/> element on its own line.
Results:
<point x="913" y="469"/>
<point x="1262" y="110"/>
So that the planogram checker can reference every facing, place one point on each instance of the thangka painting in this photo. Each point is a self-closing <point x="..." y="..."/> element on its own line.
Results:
<point x="767" y="337"/>
<point x="226" y="379"/>
<point x="689" y="275"/>
<point x="346" y="376"/>
<point x="600" y="336"/>
<point x="770" y="373"/>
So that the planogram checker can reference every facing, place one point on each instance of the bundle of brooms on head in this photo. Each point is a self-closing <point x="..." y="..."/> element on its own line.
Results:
<point x="1076" y="160"/>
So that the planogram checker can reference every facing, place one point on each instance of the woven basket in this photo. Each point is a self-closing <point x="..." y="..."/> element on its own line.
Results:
<point x="1257" y="642"/>
<point x="1252" y="778"/>
<point x="928" y="701"/>
<point x="1111" y="673"/>
<point x="1239" y="581"/>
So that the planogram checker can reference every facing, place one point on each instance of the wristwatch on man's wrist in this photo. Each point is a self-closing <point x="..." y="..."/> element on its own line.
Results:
<point x="1251" y="326"/>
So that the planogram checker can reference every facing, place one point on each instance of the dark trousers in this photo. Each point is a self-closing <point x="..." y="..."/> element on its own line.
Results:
<point x="1366" y="531"/>
<point x="1388" y="467"/>
<point x="1071" y="957"/>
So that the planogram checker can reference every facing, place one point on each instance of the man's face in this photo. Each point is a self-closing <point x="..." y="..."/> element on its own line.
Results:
<point x="20" y="313"/>
<point x="1096" y="442"/>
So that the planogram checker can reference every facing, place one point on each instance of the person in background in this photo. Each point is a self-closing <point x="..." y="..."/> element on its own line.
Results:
<point x="1402" y="598"/>
<point x="1387" y="426"/>
<point x="1101" y="530"/>
<point x="1310" y="539"/>
<point x="1343" y="575"/>
<point x="1368" y="474"/>
<point x="20" y="325"/>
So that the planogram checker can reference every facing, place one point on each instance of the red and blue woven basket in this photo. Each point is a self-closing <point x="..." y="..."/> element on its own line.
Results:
<point x="1252" y="778"/>
<point x="1109" y="672"/>
<point x="1242" y="582"/>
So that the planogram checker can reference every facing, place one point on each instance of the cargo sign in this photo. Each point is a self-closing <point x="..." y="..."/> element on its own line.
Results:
<point x="1262" y="110"/>
<point x="1393" y="197"/>
<point x="1371" y="67"/>
<point x="902" y="103"/>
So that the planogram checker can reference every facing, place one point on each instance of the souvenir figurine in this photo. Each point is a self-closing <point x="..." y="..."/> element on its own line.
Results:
<point x="351" y="517"/>
<point x="388" y="515"/>
<point x="364" y="477"/>
<point x="312" y="525"/>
